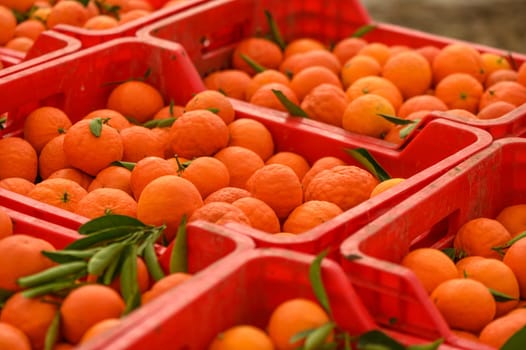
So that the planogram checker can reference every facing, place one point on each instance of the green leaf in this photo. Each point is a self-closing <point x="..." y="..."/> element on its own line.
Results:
<point x="451" y="253"/>
<point x="84" y="2"/>
<point x="500" y="297"/>
<point x="152" y="263"/>
<point x="110" y="221"/>
<point x="358" y="33"/>
<point x="431" y="346"/>
<point x="293" y="109"/>
<point x="253" y="64"/>
<point x="213" y="110"/>
<point x="367" y="160"/>
<point x="179" y="254"/>
<point x="502" y="248"/>
<point x="66" y="256"/>
<point x="52" y="332"/>
<point x="396" y="120"/>
<point x="317" y="282"/>
<point x="104" y="257"/>
<point x="516" y="341"/>
<point x="127" y="165"/>
<point x="4" y="295"/>
<point x="301" y="335"/>
<point x="111" y="271"/>
<point x="95" y="126"/>
<point x="103" y="236"/>
<point x="316" y="338"/>
<point x="160" y="123"/>
<point x="405" y="131"/>
<point x="171" y="108"/>
<point x="379" y="340"/>
<point x="274" y="30"/>
<point x="52" y="274"/>
<point x="52" y="287"/>
<point x="129" y="284"/>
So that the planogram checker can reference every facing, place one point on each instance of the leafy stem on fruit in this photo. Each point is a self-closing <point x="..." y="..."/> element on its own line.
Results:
<point x="367" y="160"/>
<point x="501" y="249"/>
<point x="293" y="109"/>
<point x="274" y="30"/>
<point x="360" y="32"/>
<point x="253" y="64"/>
<point x="179" y="254"/>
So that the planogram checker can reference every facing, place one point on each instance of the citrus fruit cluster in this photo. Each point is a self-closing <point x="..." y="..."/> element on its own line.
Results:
<point x="481" y="291"/>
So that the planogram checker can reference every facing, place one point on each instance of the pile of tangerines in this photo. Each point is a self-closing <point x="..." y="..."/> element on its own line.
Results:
<point x="481" y="291"/>
<point x="349" y="84"/>
<point x="22" y="21"/>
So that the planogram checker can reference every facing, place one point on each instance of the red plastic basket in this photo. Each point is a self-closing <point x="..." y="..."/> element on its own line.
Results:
<point x="48" y="46"/>
<point x="89" y="37"/>
<point x="210" y="43"/>
<point x="478" y="187"/>
<point x="242" y="289"/>
<point x="9" y="57"/>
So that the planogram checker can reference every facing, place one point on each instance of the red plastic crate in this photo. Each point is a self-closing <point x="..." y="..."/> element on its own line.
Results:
<point x="210" y="43"/>
<point x="89" y="37"/>
<point x="478" y="187"/>
<point x="242" y="289"/>
<point x="9" y="57"/>
<point x="48" y="46"/>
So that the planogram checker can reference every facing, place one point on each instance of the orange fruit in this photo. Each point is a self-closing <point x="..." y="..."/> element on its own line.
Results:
<point x="132" y="15"/>
<point x="291" y="317"/>
<point x="6" y="224"/>
<point x="262" y="51"/>
<point x="385" y="185"/>
<point x="163" y="285"/>
<point x="362" y="115"/>
<point x="261" y="216"/>
<point x="165" y="200"/>
<point x="521" y="74"/>
<point x="319" y="165"/>
<point x="231" y="82"/>
<point x="113" y="118"/>
<point x="343" y="185"/>
<point x="421" y="103"/>
<point x="278" y="186"/>
<point x="227" y="194"/>
<point x="67" y="12"/>
<point x="198" y="133"/>
<point x="19" y="5"/>
<point x="431" y="267"/>
<point x="310" y="214"/>
<point x="208" y="174"/>
<point x="379" y="51"/>
<point x="30" y="28"/>
<point x="63" y="346"/>
<point x="302" y="45"/>
<point x="32" y="316"/>
<point x="513" y="217"/>
<point x="429" y="52"/>
<point x="478" y="237"/>
<point x="410" y="72"/>
<point x="140" y="142"/>
<point x="347" y="48"/>
<point x="377" y="86"/>
<point x="500" y="75"/>
<point x="91" y="152"/>
<point x="59" y="192"/>
<point x="307" y="79"/>
<point x="135" y="99"/>
<point x="7" y="24"/>
<point x="99" y="328"/>
<point x="76" y="175"/>
<point x="112" y="177"/>
<point x="295" y="161"/>
<point x="170" y="111"/>
<point x="17" y="159"/>
<point x="101" y="22"/>
<point x="462" y="263"/>
<point x="52" y="157"/>
<point x="358" y="67"/>
<point x="461" y="113"/>
<point x="495" y="110"/>
<point x="496" y="275"/>
<point x="292" y="65"/>
<point x="492" y="62"/>
<point x="264" y="96"/>
<point x="326" y="103"/>
<point x="514" y="258"/>
<point x="220" y="213"/>
<point x="465" y="304"/>
<point x="265" y="77"/>
<point x="460" y="91"/>
<point x="78" y="314"/>
<point x="13" y="338"/>
<point x="21" y="43"/>
<point x="465" y="335"/>
<point x="41" y="14"/>
<point x="17" y="185"/>
<point x="240" y="162"/>
<point x="107" y="201"/>
<point x="146" y="170"/>
<point x="242" y="337"/>
<point x="458" y="58"/>
<point x="507" y="91"/>
<point x="497" y="332"/>
<point x="251" y="134"/>
<point x="213" y="101"/>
